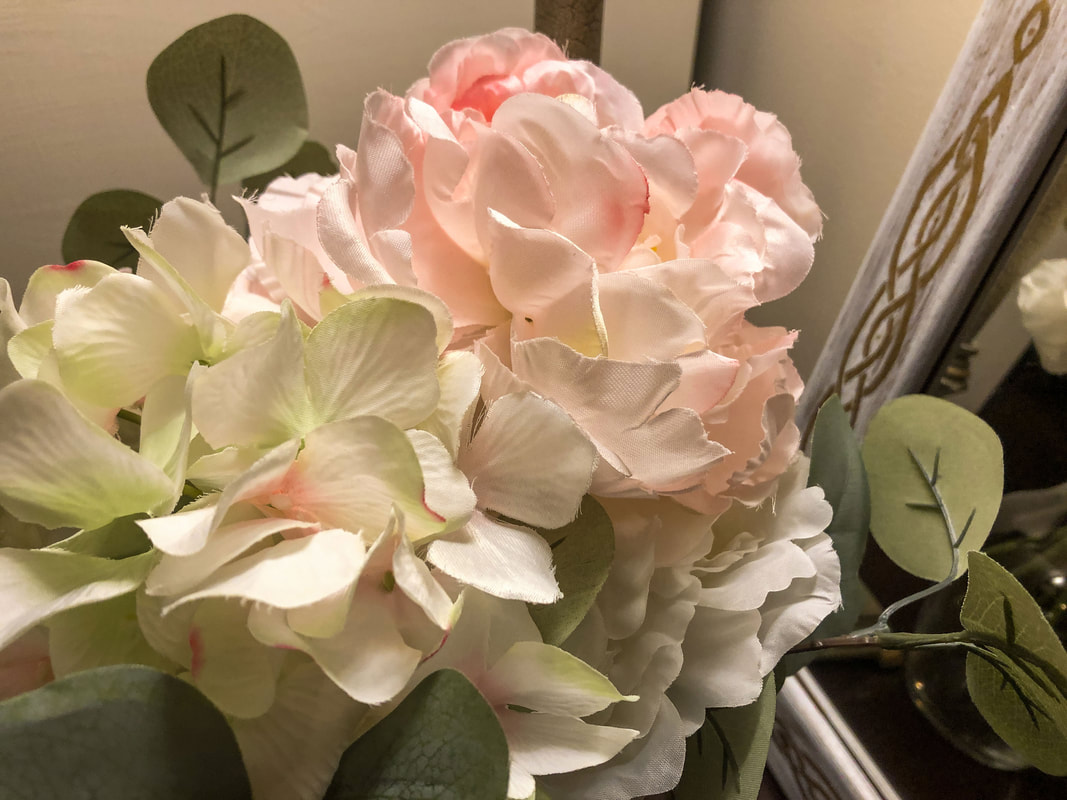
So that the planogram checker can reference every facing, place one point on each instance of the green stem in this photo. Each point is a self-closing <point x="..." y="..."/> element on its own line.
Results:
<point x="220" y="136"/>
<point x="954" y="542"/>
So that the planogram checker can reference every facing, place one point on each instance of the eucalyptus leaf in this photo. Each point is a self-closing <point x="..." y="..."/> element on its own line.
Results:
<point x="582" y="552"/>
<point x="724" y="760"/>
<point x="94" y="232"/>
<point x="312" y="157"/>
<point x="963" y="459"/>
<point x="443" y="742"/>
<point x="837" y="467"/>
<point x="1022" y="689"/>
<point x="229" y="94"/>
<point x="118" y="733"/>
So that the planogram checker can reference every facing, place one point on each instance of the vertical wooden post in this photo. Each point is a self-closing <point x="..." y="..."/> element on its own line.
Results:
<point x="575" y="24"/>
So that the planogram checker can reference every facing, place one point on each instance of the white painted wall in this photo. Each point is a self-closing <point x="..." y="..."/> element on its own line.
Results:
<point x="75" y="118"/>
<point x="854" y="82"/>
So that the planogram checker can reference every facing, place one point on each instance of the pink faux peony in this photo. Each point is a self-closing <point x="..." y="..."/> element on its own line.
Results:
<point x="605" y="263"/>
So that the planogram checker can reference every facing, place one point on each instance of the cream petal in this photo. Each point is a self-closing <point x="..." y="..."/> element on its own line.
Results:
<point x="58" y="469"/>
<point x="547" y="744"/>
<point x="503" y="560"/>
<point x="199" y="244"/>
<point x="351" y="474"/>
<point x="459" y="376"/>
<point x="38" y="584"/>
<point x="447" y="490"/>
<point x="116" y="340"/>
<point x="176" y="574"/>
<point x="236" y="672"/>
<point x="546" y="679"/>
<point x="293" y="750"/>
<point x="529" y="461"/>
<point x="289" y="574"/>
<point x="260" y="390"/>
<point x="47" y="283"/>
<point x="374" y="355"/>
<point x="186" y="532"/>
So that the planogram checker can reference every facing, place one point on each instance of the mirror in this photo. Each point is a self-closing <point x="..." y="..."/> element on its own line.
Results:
<point x="984" y="186"/>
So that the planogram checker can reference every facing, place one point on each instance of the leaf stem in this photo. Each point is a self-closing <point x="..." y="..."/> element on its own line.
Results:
<point x="215" y="167"/>
<point x="954" y="542"/>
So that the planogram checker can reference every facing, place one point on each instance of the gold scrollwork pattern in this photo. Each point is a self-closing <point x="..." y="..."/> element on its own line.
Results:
<point x="938" y="216"/>
<point x="811" y="780"/>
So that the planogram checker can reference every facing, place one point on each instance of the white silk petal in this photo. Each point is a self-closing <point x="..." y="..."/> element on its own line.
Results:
<point x="352" y="473"/>
<point x="547" y="744"/>
<point x="199" y="244"/>
<point x="459" y="376"/>
<point x="236" y="672"/>
<point x="37" y="584"/>
<point x="256" y="398"/>
<point x="529" y="461"/>
<point x="615" y="402"/>
<point x="550" y="680"/>
<point x="116" y="340"/>
<point x="176" y="574"/>
<point x="289" y="574"/>
<point x="503" y="560"/>
<point x="186" y="532"/>
<point x="292" y="751"/>
<point x="447" y="490"/>
<point x="374" y="356"/>
<point x="47" y="283"/>
<point x="58" y="469"/>
<point x="368" y="659"/>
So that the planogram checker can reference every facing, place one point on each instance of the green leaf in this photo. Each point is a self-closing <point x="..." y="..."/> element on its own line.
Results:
<point x="724" y="760"/>
<point x="964" y="460"/>
<point x="118" y="732"/>
<point x="229" y="94"/>
<point x="94" y="232"/>
<point x="1020" y="686"/>
<point x="312" y="157"/>
<point x="443" y="742"/>
<point x="837" y="467"/>
<point x="582" y="552"/>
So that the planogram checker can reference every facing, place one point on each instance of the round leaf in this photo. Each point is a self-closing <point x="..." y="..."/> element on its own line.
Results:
<point x="229" y="94"/>
<point x="312" y="157"/>
<point x="1019" y="688"/>
<point x="962" y="458"/>
<point x="94" y="232"/>
<point x="118" y="732"/>
<point x="582" y="552"/>
<point x="443" y="742"/>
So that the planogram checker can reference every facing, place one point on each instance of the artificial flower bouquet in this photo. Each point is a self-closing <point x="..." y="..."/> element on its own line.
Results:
<point x="461" y="474"/>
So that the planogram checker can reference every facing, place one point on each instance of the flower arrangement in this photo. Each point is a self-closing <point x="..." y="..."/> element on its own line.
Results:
<point x="462" y="469"/>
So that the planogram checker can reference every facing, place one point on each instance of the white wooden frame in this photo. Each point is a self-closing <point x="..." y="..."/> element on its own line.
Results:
<point x="989" y="152"/>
